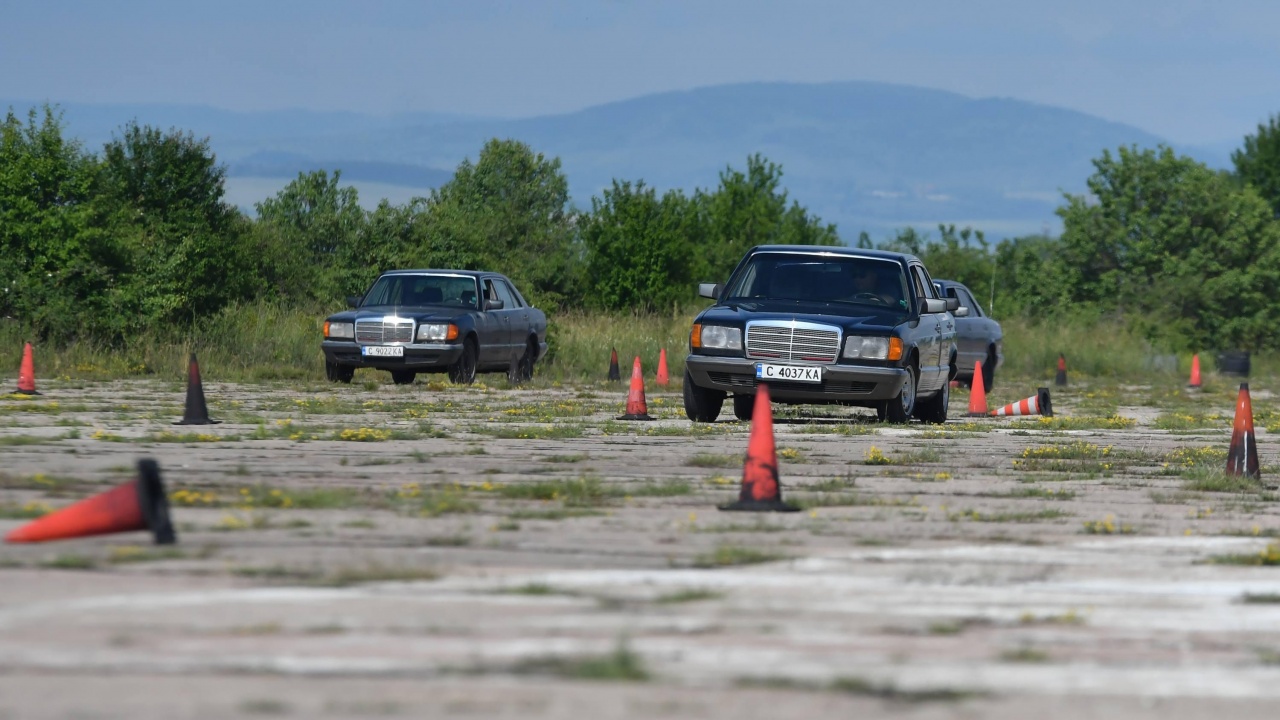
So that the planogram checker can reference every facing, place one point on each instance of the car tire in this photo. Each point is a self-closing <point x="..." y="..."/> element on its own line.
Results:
<point x="701" y="404"/>
<point x="899" y="409"/>
<point x="744" y="406"/>
<point x="403" y="377"/>
<point x="934" y="409"/>
<point x="463" y="372"/>
<point x="989" y="370"/>
<point x="338" y="373"/>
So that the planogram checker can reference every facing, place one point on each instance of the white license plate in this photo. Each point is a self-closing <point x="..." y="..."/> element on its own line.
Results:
<point x="383" y="351"/>
<point x="789" y="373"/>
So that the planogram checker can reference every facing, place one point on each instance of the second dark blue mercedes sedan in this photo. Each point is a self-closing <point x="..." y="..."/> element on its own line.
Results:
<point x="824" y="325"/>
<point x="457" y="321"/>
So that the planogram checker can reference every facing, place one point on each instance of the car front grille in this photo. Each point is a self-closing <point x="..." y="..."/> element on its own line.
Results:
<point x="381" y="332"/>
<point x="793" y="341"/>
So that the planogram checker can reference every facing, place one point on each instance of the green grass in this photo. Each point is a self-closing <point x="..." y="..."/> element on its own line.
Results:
<point x="1024" y="655"/>
<point x="621" y="665"/>
<point x="688" y="595"/>
<point x="1203" y="479"/>
<point x="1260" y="598"/>
<point x="584" y="491"/>
<point x="70" y="562"/>
<point x="1268" y="556"/>
<point x="729" y="555"/>
<point x="711" y="460"/>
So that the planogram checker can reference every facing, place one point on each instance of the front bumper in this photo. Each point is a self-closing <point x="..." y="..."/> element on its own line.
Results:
<point x="857" y="384"/>
<point x="417" y="356"/>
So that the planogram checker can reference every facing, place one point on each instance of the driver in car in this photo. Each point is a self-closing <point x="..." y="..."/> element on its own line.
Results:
<point x="867" y="287"/>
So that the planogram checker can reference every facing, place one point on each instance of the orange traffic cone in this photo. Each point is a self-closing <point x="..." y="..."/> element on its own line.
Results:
<point x="1038" y="404"/>
<point x="662" y="378"/>
<point x="1242" y="458"/>
<point x="27" y="373"/>
<point x="761" y="491"/>
<point x="137" y="505"/>
<point x="614" y="374"/>
<point x="1195" y="372"/>
<point x="196" y="412"/>
<point x="978" y="393"/>
<point x="1061" y="379"/>
<point x="636" y="407"/>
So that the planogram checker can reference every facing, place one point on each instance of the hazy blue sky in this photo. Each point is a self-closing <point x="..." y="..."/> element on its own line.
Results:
<point x="1194" y="72"/>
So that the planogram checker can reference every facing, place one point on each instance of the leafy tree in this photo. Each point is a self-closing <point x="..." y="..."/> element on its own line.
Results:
<point x="58" y="269"/>
<point x="1258" y="162"/>
<point x="637" y="248"/>
<point x="162" y="193"/>
<point x="750" y="209"/>
<point x="507" y="212"/>
<point x="308" y="236"/>
<point x="1191" y="259"/>
<point x="963" y="256"/>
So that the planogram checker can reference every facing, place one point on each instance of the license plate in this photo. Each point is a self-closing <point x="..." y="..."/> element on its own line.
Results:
<point x="383" y="351"/>
<point x="789" y="373"/>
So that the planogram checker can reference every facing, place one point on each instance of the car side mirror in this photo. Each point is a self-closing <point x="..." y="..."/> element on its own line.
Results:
<point x="929" y="306"/>
<point x="953" y="304"/>
<point x="709" y="290"/>
<point x="961" y="312"/>
<point x="492" y="304"/>
<point x="354" y="301"/>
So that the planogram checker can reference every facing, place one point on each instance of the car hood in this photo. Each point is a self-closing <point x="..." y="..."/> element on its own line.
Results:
<point x="419" y="313"/>
<point x="862" y="317"/>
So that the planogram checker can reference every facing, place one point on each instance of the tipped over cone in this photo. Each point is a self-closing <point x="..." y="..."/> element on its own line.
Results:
<point x="761" y="491"/>
<point x="1195" y="372"/>
<point x="1038" y="404"/>
<point x="614" y="373"/>
<point x="663" y="378"/>
<point x="1242" y="458"/>
<point x="1061" y="378"/>
<point x="27" y="373"/>
<point x="978" y="393"/>
<point x="140" y="504"/>
<point x="637" y="409"/>
<point x="196" y="412"/>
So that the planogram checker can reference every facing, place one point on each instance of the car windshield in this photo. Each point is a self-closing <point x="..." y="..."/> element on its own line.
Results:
<point x="448" y="290"/>
<point x="825" y="278"/>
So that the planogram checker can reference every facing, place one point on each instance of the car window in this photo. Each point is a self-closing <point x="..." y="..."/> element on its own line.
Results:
<point x="813" y="278"/>
<point x="924" y="288"/>
<point x="416" y="290"/>
<point x="967" y="300"/>
<point x="504" y="294"/>
<point x="520" y="301"/>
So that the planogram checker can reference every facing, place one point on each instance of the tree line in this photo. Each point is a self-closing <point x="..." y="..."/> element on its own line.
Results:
<point x="101" y="245"/>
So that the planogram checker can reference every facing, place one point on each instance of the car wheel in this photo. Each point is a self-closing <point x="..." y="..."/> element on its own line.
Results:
<point x="899" y="409"/>
<point x="338" y="373"/>
<point x="989" y="370"/>
<point x="743" y="406"/>
<point x="403" y="377"/>
<point x="463" y="372"/>
<point x="934" y="410"/>
<point x="701" y="404"/>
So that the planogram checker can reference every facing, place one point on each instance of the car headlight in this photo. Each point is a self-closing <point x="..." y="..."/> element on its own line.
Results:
<point x="716" y="337"/>
<point x="857" y="347"/>
<point x="437" y="332"/>
<point x="339" y="330"/>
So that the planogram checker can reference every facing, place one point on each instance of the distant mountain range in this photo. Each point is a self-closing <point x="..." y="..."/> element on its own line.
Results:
<point x="867" y="156"/>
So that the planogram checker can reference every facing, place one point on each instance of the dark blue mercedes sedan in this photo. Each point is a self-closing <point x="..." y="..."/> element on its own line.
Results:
<point x="418" y="321"/>
<point x="824" y="325"/>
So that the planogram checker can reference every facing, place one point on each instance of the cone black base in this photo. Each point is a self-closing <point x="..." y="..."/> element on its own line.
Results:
<point x="636" y="417"/>
<point x="1044" y="402"/>
<point x="1061" y="379"/>
<point x="27" y="392"/>
<point x="758" y="506"/>
<point x="199" y="422"/>
<point x="154" y="502"/>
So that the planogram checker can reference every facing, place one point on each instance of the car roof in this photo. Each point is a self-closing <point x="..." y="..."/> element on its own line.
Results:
<point x="842" y="250"/>
<point x="441" y="271"/>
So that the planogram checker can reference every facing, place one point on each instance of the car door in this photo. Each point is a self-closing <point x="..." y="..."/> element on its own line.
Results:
<point x="932" y="368"/>
<point x="498" y="351"/>
<point x="517" y="318"/>
<point x="970" y="330"/>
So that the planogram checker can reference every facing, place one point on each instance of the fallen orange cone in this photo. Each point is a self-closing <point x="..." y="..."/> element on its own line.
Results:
<point x="27" y="373"/>
<point x="637" y="409"/>
<point x="137" y="505"/>
<point x="761" y="491"/>
<point x="1242" y="458"/>
<point x="978" y="393"/>
<point x="1038" y="404"/>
